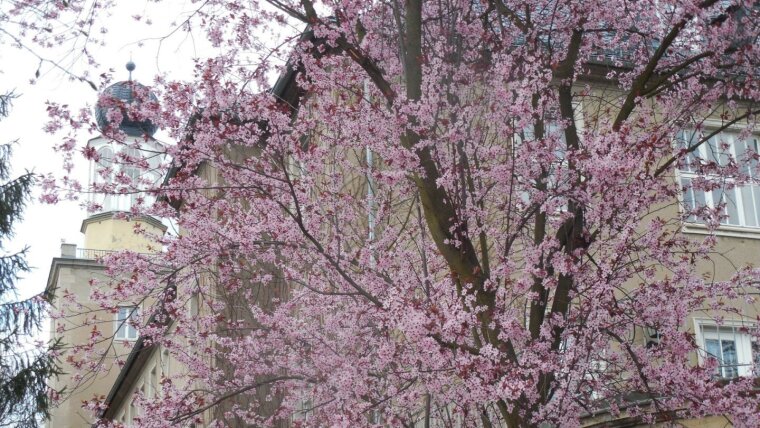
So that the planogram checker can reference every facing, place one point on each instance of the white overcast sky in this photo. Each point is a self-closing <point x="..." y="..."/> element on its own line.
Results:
<point x="44" y="226"/>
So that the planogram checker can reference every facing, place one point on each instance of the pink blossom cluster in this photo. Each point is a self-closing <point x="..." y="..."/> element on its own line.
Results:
<point x="462" y="212"/>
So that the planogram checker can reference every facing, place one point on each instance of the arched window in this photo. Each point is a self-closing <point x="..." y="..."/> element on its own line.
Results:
<point x="103" y="173"/>
<point x="133" y="173"/>
<point x="105" y="161"/>
<point x="119" y="167"/>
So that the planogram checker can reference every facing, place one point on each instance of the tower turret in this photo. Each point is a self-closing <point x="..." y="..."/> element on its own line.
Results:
<point x="105" y="229"/>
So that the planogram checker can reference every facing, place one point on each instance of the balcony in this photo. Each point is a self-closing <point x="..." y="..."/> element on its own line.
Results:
<point x="70" y="251"/>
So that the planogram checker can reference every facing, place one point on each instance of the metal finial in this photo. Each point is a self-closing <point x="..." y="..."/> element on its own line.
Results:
<point x="130" y="67"/>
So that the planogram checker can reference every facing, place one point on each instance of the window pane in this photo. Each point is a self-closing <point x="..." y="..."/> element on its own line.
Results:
<point x="684" y="141"/>
<point x="715" y="152"/>
<point x="712" y="150"/>
<point x="688" y="194"/>
<point x="713" y="348"/>
<point x="527" y="134"/>
<point x="124" y="329"/>
<point x="105" y="156"/>
<point x="756" y="195"/>
<point x="741" y="156"/>
<point x="731" y="207"/>
<point x="699" y="199"/>
<point x="730" y="360"/>
<point x="748" y="205"/>
<point x="727" y="197"/>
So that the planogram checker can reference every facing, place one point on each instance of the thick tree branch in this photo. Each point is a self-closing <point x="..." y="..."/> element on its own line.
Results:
<point x="640" y="83"/>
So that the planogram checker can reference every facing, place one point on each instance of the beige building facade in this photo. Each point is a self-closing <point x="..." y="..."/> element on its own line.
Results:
<point x="70" y="282"/>
<point x="77" y="319"/>
<point x="145" y="366"/>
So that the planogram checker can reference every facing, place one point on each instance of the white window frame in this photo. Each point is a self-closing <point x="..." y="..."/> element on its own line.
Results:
<point x="375" y="416"/>
<point x="153" y="381"/>
<point x="552" y="127"/>
<point x="106" y="158"/>
<point x="111" y="156"/>
<point x="303" y="409"/>
<point x="742" y="227"/>
<point x="746" y="362"/>
<point x="123" y="329"/>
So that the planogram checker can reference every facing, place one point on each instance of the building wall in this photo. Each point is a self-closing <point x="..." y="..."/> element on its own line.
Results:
<point x="736" y="248"/>
<point x="73" y="277"/>
<point x="147" y="382"/>
<point x="107" y="233"/>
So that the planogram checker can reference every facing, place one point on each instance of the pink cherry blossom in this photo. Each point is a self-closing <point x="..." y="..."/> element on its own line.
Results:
<point x="465" y="212"/>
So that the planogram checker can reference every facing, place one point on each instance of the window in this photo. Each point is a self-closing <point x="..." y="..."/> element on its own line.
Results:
<point x="733" y="348"/>
<point x="124" y="168"/>
<point x="103" y="173"/>
<point x="594" y="369"/>
<point x="125" y="330"/>
<point x="165" y="363"/>
<point x="303" y="409"/>
<point x="105" y="161"/>
<point x="375" y="417"/>
<point x="559" y="177"/>
<point x="153" y="382"/>
<point x="133" y="174"/>
<point x="741" y="204"/>
<point x="554" y="137"/>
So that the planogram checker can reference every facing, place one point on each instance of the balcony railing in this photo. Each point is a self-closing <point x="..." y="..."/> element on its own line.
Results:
<point x="70" y="251"/>
<point x="91" y="253"/>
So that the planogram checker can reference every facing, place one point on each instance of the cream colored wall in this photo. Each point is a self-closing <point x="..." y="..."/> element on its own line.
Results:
<point x="118" y="234"/>
<point x="72" y="276"/>
<point x="736" y="248"/>
<point x="166" y="366"/>
<point x="604" y="421"/>
<point x="708" y="422"/>
<point x="69" y="414"/>
<point x="731" y="253"/>
<point x="149" y="377"/>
